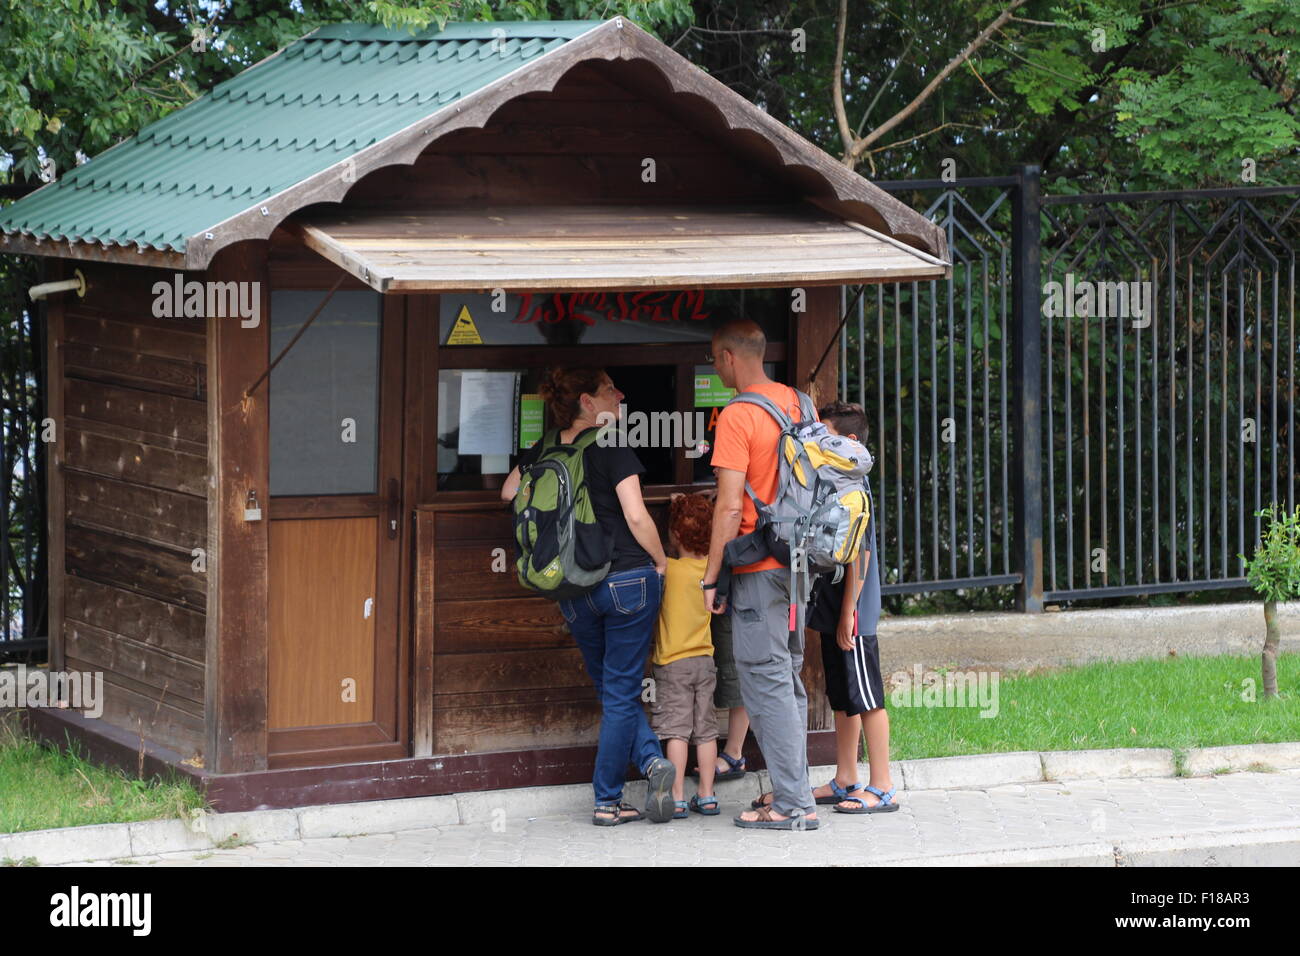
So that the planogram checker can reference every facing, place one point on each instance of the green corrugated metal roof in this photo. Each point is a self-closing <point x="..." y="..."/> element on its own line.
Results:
<point x="314" y="104"/>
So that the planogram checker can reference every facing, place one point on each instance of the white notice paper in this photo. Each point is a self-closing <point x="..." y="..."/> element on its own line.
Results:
<point x="487" y="413"/>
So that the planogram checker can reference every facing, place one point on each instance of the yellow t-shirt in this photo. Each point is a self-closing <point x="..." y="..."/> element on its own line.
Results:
<point x="683" y="626"/>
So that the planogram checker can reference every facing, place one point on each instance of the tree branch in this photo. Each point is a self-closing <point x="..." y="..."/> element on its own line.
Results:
<point x="854" y="149"/>
<point x="837" y="83"/>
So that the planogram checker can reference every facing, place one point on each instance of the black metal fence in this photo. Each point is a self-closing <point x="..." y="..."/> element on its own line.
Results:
<point x="1096" y="403"/>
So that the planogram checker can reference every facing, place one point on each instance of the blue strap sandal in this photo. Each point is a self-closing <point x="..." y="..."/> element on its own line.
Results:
<point x="680" y="810"/>
<point x="737" y="765"/>
<point x="886" y="804"/>
<point x="705" y="805"/>
<point x="838" y="794"/>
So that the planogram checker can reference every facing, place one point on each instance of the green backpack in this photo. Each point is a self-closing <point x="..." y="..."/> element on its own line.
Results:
<point x="562" y="550"/>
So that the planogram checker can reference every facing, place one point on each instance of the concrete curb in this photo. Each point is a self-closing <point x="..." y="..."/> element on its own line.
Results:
<point x="1271" y="846"/>
<point x="210" y="831"/>
<point x="1268" y="846"/>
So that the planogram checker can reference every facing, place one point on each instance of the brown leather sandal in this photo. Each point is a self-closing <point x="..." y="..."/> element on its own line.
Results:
<point x="616" y="810"/>
<point x="796" y="821"/>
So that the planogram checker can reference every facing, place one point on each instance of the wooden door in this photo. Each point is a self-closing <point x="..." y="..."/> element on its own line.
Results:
<point x="335" y="691"/>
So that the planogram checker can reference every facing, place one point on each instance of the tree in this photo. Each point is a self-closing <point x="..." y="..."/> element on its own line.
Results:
<point x="1274" y="572"/>
<point x="1102" y="94"/>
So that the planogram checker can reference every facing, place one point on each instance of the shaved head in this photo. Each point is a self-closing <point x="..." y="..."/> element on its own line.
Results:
<point x="741" y="337"/>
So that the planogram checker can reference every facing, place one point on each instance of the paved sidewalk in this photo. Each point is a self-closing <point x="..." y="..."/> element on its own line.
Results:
<point x="1232" y="819"/>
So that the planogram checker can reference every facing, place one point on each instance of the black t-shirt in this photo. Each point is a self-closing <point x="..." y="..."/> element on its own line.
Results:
<point x="605" y="468"/>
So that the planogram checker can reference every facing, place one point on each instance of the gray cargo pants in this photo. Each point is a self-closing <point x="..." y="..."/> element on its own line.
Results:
<point x="768" y="660"/>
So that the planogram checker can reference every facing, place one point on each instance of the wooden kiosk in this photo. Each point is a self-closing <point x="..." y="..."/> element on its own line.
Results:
<point x="274" y="519"/>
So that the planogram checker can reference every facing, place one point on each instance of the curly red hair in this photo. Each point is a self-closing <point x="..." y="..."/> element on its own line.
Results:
<point x="690" y="518"/>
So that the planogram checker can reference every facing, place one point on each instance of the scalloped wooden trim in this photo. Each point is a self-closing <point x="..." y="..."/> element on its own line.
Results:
<point x="476" y="110"/>
<point x="616" y="39"/>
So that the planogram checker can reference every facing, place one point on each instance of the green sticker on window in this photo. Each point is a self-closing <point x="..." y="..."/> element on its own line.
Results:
<point x="710" y="392"/>
<point x="530" y="420"/>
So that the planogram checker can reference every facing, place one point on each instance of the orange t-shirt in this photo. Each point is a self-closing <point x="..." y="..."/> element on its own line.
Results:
<point x="745" y="441"/>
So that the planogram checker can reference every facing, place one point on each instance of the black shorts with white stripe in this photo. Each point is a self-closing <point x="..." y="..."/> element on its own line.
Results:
<point x="853" y="682"/>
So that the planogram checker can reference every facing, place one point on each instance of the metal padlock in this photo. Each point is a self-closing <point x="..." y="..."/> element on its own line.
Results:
<point x="252" y="510"/>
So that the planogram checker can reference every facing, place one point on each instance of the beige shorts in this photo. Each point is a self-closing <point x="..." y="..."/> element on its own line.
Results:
<point x="683" y="701"/>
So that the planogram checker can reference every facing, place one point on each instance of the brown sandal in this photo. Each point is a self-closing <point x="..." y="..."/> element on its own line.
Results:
<point x="615" y="813"/>
<point x="795" y="821"/>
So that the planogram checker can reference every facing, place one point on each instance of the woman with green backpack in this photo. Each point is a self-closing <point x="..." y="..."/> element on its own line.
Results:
<point x="613" y="620"/>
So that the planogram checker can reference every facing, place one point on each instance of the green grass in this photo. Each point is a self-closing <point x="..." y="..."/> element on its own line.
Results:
<point x="42" y="788"/>
<point x="1175" y="702"/>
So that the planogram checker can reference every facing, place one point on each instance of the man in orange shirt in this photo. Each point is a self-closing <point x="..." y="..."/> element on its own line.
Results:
<point x="768" y="656"/>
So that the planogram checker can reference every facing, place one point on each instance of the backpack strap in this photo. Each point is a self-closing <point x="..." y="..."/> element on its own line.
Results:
<point x="783" y="421"/>
<point x="807" y="412"/>
<point x="765" y="403"/>
<point x="590" y="437"/>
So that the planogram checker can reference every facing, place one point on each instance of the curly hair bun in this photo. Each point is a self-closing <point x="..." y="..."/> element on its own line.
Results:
<point x="690" y="518"/>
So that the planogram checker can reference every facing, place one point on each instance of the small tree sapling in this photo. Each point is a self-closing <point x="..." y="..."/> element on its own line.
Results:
<point x="1274" y="573"/>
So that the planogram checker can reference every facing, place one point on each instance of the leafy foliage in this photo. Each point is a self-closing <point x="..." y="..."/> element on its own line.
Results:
<point x="1274" y="570"/>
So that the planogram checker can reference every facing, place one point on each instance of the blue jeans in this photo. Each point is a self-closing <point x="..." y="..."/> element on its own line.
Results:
<point x="613" y="624"/>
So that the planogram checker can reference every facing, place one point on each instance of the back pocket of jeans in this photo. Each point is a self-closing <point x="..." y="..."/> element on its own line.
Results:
<point x="628" y="596"/>
<point x="568" y="611"/>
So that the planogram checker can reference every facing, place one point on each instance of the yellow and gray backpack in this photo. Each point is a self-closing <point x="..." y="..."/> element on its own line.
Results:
<point x="562" y="550"/>
<point x="817" y="522"/>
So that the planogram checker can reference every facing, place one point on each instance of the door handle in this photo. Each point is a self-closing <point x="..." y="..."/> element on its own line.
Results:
<point x="367" y="608"/>
<point x="394" y="507"/>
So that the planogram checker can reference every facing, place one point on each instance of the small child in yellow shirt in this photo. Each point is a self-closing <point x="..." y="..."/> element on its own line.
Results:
<point x="681" y="711"/>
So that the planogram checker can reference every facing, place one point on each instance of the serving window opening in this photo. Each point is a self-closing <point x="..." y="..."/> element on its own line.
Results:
<point x="494" y="349"/>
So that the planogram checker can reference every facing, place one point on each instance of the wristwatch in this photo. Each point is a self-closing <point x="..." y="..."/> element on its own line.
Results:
<point x="706" y="587"/>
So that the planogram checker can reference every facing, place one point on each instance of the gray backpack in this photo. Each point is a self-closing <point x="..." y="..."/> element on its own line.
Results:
<point x="817" y="522"/>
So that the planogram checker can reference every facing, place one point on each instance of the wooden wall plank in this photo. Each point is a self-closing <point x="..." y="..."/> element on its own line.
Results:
<point x="516" y="726"/>
<point x="136" y="333"/>
<point x="148" y="372"/>
<point x="133" y="460"/>
<point x="510" y="671"/>
<point x="145" y="665"/>
<point x="524" y="623"/>
<point x="132" y="565"/>
<point x="152" y="414"/>
<point x="125" y="289"/>
<point x="465" y="571"/>
<point x="160" y="517"/>
<point x="145" y="620"/>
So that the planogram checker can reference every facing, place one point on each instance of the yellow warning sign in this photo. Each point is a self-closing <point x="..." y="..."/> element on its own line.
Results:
<point x="464" y="331"/>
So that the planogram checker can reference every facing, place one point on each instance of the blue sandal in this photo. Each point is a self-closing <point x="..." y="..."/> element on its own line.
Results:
<point x="838" y="794"/>
<point x="680" y="811"/>
<point x="705" y="805"/>
<point x="886" y="804"/>
<point x="737" y="765"/>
